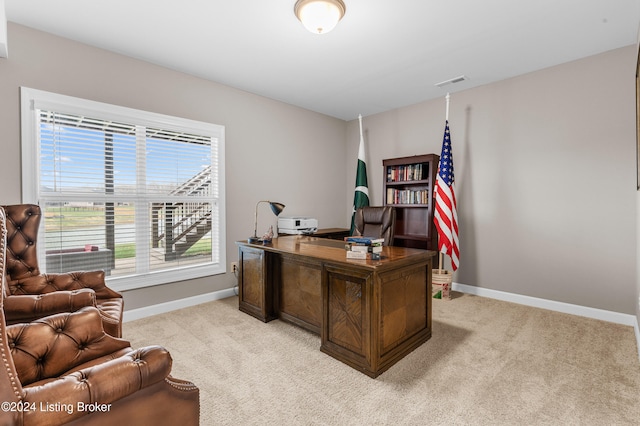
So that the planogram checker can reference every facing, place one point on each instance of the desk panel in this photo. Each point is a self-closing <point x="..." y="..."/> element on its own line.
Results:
<point x="255" y="291"/>
<point x="404" y="307"/>
<point x="300" y="292"/>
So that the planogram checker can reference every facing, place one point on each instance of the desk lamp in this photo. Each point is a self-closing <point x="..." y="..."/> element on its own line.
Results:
<point x="276" y="208"/>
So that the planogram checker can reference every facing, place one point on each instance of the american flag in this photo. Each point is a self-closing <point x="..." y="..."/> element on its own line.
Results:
<point x="446" y="215"/>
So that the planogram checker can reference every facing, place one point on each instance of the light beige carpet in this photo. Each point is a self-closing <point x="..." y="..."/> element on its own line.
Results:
<point x="487" y="363"/>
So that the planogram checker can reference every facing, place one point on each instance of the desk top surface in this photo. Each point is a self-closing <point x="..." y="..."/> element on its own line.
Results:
<point x="333" y="250"/>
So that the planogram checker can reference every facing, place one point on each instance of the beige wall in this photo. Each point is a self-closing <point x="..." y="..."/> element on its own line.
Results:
<point x="545" y="162"/>
<point x="273" y="150"/>
<point x="545" y="175"/>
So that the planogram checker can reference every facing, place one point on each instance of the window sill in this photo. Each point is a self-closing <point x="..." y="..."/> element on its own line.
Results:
<point x="164" y="277"/>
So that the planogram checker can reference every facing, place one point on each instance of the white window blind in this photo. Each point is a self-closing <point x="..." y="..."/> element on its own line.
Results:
<point x="137" y="194"/>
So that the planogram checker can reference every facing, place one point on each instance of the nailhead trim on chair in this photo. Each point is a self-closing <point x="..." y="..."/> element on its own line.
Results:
<point x="185" y="387"/>
<point x="7" y="366"/>
<point x="3" y="353"/>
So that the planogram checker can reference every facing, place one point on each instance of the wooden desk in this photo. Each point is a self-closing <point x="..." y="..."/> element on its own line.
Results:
<point x="369" y="314"/>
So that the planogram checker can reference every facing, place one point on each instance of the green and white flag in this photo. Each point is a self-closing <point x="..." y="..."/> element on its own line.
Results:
<point x="361" y="196"/>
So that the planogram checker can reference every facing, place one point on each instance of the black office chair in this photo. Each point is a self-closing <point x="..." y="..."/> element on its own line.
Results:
<point x="376" y="222"/>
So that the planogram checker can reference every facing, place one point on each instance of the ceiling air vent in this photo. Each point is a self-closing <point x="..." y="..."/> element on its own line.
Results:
<point x="452" y="81"/>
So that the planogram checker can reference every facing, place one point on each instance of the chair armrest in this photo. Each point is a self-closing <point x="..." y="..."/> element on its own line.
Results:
<point x="29" y="307"/>
<point x="56" y="344"/>
<point x="47" y="283"/>
<point x="98" y="386"/>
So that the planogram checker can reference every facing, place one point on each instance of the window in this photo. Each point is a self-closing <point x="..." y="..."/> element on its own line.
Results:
<point x="138" y="194"/>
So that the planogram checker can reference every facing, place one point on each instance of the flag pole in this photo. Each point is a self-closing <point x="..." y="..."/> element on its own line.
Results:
<point x="446" y="117"/>
<point x="440" y="259"/>
<point x="360" y="120"/>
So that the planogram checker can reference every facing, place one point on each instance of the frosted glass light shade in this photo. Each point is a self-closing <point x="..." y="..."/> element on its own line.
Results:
<point x="319" y="16"/>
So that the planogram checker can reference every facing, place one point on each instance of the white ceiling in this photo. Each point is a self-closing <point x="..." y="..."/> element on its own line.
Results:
<point x="383" y="55"/>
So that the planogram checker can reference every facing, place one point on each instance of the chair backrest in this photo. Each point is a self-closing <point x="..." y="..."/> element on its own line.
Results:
<point x="10" y="387"/>
<point x="376" y="222"/>
<point x="22" y="223"/>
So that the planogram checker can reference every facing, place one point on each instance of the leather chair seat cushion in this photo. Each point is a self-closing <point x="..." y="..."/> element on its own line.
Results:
<point x="54" y="293"/>
<point x="29" y="307"/>
<point x="155" y="361"/>
<point x="50" y="346"/>
<point x="89" y="364"/>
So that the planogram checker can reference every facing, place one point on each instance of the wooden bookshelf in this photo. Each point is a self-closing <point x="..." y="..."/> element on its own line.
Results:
<point x="408" y="186"/>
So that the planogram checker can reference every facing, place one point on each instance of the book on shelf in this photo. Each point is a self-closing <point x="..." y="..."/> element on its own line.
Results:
<point x="407" y="196"/>
<point x="404" y="173"/>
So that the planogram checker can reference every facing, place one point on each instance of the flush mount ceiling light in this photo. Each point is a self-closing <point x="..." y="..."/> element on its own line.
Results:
<point x="319" y="16"/>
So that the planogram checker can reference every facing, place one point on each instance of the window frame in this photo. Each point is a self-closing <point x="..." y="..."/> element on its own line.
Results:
<point x="33" y="99"/>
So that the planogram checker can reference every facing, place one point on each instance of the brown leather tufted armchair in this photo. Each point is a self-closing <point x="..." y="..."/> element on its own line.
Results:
<point x="65" y="369"/>
<point x="30" y="295"/>
<point x="376" y="222"/>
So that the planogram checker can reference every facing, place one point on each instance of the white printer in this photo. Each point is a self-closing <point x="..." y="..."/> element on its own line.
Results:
<point x="297" y="225"/>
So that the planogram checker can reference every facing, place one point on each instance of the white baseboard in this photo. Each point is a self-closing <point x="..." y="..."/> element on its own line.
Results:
<point x="551" y="305"/>
<point x="160" y="308"/>
<point x="567" y="308"/>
